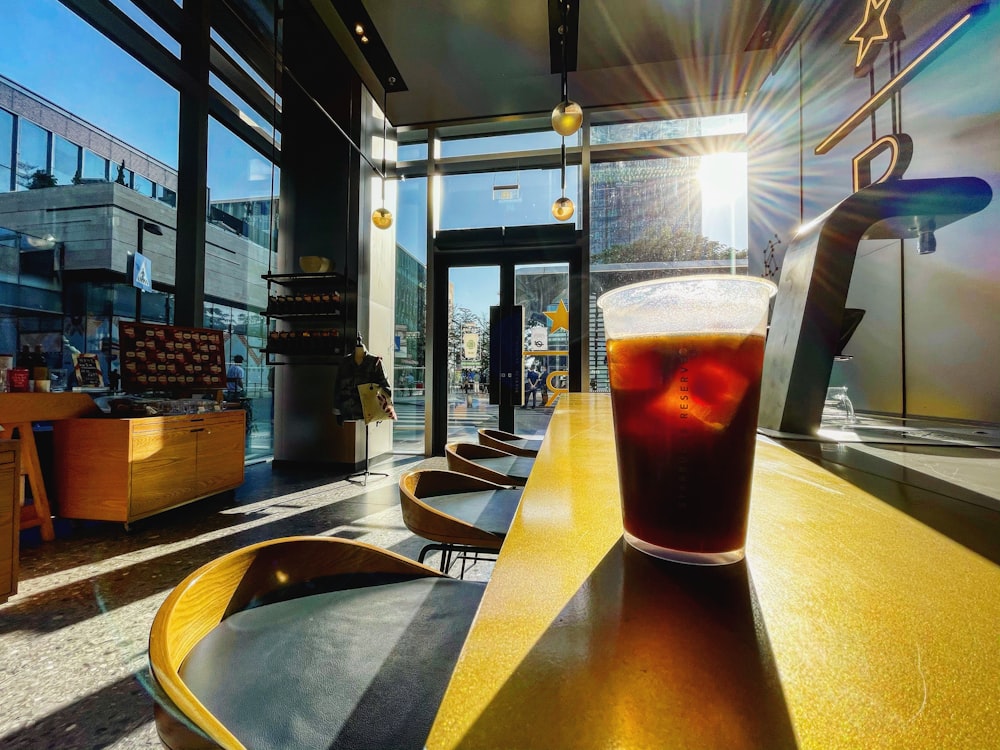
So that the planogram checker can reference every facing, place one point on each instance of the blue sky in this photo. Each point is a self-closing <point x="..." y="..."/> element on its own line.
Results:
<point x="52" y="52"/>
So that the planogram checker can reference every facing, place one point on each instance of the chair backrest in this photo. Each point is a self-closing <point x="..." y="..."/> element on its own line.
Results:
<point x="505" y="441"/>
<point x="237" y="581"/>
<point x="488" y="463"/>
<point x="416" y="490"/>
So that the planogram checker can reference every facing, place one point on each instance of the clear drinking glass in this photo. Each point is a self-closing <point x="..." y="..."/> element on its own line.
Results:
<point x="685" y="356"/>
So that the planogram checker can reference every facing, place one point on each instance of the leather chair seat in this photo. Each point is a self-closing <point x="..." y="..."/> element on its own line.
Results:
<point x="360" y="666"/>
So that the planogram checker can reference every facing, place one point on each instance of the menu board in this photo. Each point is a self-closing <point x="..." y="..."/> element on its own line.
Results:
<point x="170" y="358"/>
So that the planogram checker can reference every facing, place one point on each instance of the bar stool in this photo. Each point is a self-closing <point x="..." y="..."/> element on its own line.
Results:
<point x="488" y="463"/>
<point x="307" y="642"/>
<point x="509" y="442"/>
<point x="460" y="514"/>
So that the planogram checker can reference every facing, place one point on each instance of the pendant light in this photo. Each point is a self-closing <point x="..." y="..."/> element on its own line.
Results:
<point x="563" y="208"/>
<point x="567" y="117"/>
<point x="382" y="217"/>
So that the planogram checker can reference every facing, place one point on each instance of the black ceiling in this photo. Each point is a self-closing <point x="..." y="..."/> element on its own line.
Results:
<point x="471" y="59"/>
<point x="455" y="60"/>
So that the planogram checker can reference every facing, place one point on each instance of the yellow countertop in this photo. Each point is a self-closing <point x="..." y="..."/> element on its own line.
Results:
<point x="849" y="625"/>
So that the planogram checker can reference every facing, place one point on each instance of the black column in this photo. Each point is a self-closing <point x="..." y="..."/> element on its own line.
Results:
<point x="192" y="168"/>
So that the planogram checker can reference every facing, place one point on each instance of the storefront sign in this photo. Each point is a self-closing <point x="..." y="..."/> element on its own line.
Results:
<point x="538" y="339"/>
<point x="470" y="345"/>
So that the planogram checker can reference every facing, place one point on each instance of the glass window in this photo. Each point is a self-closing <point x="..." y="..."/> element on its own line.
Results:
<point x="247" y="113"/>
<point x="411" y="151"/>
<point x="65" y="161"/>
<point x="657" y="130"/>
<point x="499" y="144"/>
<point x="32" y="153"/>
<point x="6" y="150"/>
<point x="659" y="217"/>
<point x="166" y="195"/>
<point x="409" y="374"/>
<point x="147" y="24"/>
<point x="123" y="175"/>
<point x="655" y="209"/>
<point x="250" y="114"/>
<point x="240" y="181"/>
<point x="94" y="167"/>
<point x="411" y="224"/>
<point x="242" y="63"/>
<point x="411" y="314"/>
<point x="142" y="185"/>
<point x="519" y="198"/>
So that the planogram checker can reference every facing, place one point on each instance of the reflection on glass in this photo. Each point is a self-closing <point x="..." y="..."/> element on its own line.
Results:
<point x="656" y="130"/>
<point x="499" y="144"/>
<point x="65" y="161"/>
<point x="6" y="147"/>
<point x="32" y="152"/>
<point x="94" y="167"/>
<point x="837" y="408"/>
<point x="409" y="374"/>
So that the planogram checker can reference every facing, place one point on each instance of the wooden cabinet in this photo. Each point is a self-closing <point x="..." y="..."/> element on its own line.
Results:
<point x="127" y="469"/>
<point x="10" y="497"/>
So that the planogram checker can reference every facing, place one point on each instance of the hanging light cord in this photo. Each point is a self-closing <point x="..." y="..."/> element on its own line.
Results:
<point x="564" y="29"/>
<point x="563" y="32"/>
<point x="562" y="168"/>
<point x="385" y="124"/>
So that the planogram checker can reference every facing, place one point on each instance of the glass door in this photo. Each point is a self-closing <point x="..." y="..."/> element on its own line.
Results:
<point x="472" y="291"/>
<point x="505" y="330"/>
<point x="535" y="369"/>
<point x="542" y="290"/>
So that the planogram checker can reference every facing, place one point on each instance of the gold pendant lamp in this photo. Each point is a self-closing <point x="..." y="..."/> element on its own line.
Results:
<point x="382" y="217"/>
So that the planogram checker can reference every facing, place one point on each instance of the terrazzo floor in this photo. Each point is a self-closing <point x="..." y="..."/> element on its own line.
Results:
<point x="73" y="671"/>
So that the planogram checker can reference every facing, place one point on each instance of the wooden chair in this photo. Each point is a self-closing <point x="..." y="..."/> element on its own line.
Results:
<point x="509" y="442"/>
<point x="488" y="463"/>
<point x="307" y="642"/>
<point x="460" y="514"/>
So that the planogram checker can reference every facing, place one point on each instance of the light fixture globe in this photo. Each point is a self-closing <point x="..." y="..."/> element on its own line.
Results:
<point x="382" y="218"/>
<point x="563" y="209"/>
<point x="567" y="118"/>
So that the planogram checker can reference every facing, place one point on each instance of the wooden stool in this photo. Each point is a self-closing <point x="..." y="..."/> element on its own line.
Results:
<point x="458" y="513"/>
<point x="488" y="463"/>
<point x="509" y="442"/>
<point x="17" y="413"/>
<point x="307" y="642"/>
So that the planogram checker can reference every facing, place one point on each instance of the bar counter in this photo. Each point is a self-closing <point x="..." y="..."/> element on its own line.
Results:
<point x="849" y="624"/>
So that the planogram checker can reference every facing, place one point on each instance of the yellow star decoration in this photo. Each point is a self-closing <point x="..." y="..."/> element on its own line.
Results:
<point x="864" y="41"/>
<point x="559" y="317"/>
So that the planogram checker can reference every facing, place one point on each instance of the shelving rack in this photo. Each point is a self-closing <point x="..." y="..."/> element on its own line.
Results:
<point x="313" y="311"/>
